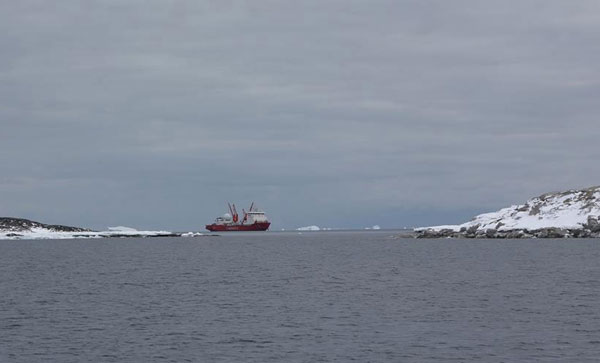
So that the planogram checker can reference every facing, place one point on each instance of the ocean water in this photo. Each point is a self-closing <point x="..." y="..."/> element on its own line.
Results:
<point x="310" y="297"/>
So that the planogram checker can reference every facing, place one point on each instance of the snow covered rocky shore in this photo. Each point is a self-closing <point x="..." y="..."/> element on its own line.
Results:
<point x="18" y="228"/>
<point x="573" y="213"/>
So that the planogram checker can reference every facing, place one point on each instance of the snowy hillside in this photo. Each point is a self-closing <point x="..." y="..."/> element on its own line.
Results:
<point x="570" y="210"/>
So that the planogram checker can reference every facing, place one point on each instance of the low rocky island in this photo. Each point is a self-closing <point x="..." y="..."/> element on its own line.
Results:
<point x="19" y="228"/>
<point x="569" y="214"/>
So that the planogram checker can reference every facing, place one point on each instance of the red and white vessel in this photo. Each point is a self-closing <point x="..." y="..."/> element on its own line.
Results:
<point x="253" y="220"/>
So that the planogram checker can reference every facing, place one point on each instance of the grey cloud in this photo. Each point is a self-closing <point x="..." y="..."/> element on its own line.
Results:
<point x="339" y="113"/>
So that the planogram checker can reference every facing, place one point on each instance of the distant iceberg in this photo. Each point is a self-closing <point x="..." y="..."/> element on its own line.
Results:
<point x="192" y="234"/>
<point x="122" y="229"/>
<point x="309" y="228"/>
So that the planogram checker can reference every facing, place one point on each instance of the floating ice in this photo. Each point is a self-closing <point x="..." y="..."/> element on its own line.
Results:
<point x="192" y="234"/>
<point x="122" y="229"/>
<point x="309" y="228"/>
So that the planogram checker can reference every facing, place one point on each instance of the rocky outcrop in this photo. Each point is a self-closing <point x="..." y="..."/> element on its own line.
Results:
<point x="511" y="234"/>
<point x="9" y="224"/>
<point x="18" y="228"/>
<point x="570" y="214"/>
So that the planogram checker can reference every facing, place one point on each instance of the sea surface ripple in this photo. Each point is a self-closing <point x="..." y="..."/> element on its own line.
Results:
<point x="289" y="297"/>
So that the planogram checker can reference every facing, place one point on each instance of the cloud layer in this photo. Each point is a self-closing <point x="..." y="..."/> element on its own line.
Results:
<point x="341" y="113"/>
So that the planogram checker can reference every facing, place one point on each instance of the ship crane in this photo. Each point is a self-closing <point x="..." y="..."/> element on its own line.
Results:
<point x="246" y="213"/>
<point x="230" y="210"/>
<point x="235" y="214"/>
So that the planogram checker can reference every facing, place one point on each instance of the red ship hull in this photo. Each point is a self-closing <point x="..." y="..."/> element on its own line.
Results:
<point x="257" y="226"/>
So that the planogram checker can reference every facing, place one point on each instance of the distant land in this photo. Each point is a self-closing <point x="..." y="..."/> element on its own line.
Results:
<point x="568" y="214"/>
<point x="19" y="228"/>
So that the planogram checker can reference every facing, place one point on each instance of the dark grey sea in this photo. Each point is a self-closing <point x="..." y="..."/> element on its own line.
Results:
<point x="289" y="297"/>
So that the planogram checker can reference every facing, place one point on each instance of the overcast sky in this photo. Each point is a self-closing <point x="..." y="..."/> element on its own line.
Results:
<point x="156" y="113"/>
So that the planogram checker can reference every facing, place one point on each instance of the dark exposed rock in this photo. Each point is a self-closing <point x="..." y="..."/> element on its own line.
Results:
<point x="20" y="224"/>
<point x="515" y="234"/>
<point x="592" y="220"/>
<point x="473" y="229"/>
<point x="552" y="232"/>
<point x="535" y="210"/>
<point x="592" y="224"/>
<point x="523" y="208"/>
